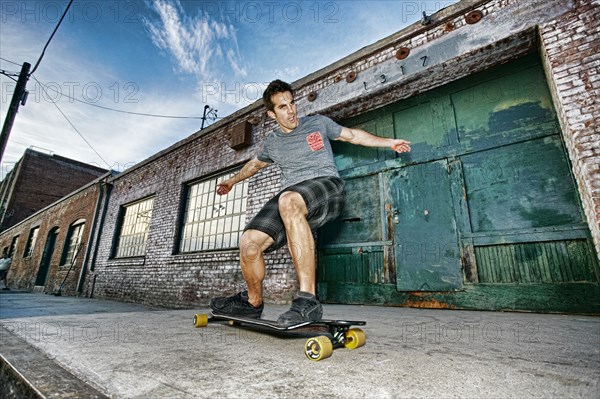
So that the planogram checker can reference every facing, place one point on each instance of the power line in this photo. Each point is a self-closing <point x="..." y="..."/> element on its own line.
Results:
<point x="9" y="75"/>
<point x="49" y="39"/>
<point x="73" y="126"/>
<point x="109" y="108"/>
<point x="12" y="62"/>
<point x="20" y="94"/>
<point x="118" y="110"/>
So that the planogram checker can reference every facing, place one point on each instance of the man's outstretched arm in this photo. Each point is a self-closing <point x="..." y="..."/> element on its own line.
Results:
<point x="248" y="170"/>
<point x="365" y="139"/>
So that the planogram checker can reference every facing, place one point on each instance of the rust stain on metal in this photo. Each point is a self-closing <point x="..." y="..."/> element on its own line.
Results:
<point x="470" y="269"/>
<point x="473" y="17"/>
<point x="255" y="120"/>
<point x="425" y="300"/>
<point x="351" y="77"/>
<point x="402" y="53"/>
<point x="389" y="264"/>
<point x="390" y="220"/>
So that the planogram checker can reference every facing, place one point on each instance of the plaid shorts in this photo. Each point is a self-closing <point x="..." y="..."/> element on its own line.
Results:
<point x="324" y="198"/>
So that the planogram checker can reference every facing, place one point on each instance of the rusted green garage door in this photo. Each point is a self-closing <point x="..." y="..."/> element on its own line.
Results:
<point x="427" y="254"/>
<point x="486" y="197"/>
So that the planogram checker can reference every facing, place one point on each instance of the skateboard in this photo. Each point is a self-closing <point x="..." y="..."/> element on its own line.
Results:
<point x="324" y="335"/>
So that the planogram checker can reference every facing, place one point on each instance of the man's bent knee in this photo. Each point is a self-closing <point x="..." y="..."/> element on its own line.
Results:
<point x="291" y="203"/>
<point x="253" y="243"/>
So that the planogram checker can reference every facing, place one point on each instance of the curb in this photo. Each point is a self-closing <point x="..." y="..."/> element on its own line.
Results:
<point x="26" y="372"/>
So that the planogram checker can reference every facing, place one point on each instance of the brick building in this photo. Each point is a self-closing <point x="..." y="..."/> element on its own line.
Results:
<point x="51" y="246"/>
<point x="37" y="180"/>
<point x="496" y="207"/>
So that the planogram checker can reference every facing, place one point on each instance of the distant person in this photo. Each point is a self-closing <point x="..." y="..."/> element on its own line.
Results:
<point x="4" y="266"/>
<point x="312" y="194"/>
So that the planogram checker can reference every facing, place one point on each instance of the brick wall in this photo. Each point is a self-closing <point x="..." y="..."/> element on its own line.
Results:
<point x="565" y="33"/>
<point x="24" y="270"/>
<point x="571" y="54"/>
<point x="452" y="49"/>
<point x="167" y="279"/>
<point x="41" y="180"/>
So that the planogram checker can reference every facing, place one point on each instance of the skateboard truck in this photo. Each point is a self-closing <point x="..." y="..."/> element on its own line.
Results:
<point x="321" y="347"/>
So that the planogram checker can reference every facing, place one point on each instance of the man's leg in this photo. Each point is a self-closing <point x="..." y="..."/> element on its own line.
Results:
<point x="293" y="211"/>
<point x="247" y="303"/>
<point x="305" y="306"/>
<point x="253" y="243"/>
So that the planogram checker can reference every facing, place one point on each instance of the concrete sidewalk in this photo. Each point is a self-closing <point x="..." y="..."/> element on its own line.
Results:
<point x="75" y="347"/>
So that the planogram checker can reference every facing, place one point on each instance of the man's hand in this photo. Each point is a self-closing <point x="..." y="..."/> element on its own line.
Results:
<point x="248" y="170"/>
<point x="224" y="187"/>
<point x="400" y="146"/>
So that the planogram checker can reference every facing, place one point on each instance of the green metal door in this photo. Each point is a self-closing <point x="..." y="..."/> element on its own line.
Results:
<point x="484" y="207"/>
<point x="426" y="247"/>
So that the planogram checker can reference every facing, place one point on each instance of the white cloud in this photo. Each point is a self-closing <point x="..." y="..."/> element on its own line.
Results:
<point x="230" y="60"/>
<point x="198" y="44"/>
<point x="121" y="139"/>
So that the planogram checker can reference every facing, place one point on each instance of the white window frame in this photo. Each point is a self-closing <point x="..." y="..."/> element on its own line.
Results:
<point x="74" y="239"/>
<point x="134" y="227"/>
<point x="31" y="241"/>
<point x="211" y="221"/>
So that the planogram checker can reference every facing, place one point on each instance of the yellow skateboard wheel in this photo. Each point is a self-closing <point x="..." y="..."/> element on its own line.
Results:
<point x="201" y="320"/>
<point x="355" y="338"/>
<point x="318" y="348"/>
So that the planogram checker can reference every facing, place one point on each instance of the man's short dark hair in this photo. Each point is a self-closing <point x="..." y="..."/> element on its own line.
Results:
<point x="276" y="86"/>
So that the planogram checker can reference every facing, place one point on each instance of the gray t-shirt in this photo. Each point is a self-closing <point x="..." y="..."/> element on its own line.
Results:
<point x="305" y="152"/>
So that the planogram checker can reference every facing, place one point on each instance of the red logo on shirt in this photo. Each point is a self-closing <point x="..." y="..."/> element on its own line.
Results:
<point x="315" y="141"/>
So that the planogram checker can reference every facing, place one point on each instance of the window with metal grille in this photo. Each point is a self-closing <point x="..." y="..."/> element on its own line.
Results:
<point x="213" y="221"/>
<point x="135" y="224"/>
<point x="13" y="246"/>
<point x="74" y="238"/>
<point x="33" y="233"/>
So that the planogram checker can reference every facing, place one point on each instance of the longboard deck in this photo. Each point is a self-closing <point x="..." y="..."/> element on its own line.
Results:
<point x="326" y="335"/>
<point x="272" y="324"/>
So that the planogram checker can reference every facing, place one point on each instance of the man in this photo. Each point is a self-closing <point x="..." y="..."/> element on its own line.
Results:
<point x="4" y="266"/>
<point x="312" y="194"/>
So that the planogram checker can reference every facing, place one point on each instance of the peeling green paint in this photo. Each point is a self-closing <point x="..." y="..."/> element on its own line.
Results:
<point x="486" y="196"/>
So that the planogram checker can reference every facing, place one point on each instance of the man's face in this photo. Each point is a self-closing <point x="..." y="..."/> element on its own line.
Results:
<point x="284" y="111"/>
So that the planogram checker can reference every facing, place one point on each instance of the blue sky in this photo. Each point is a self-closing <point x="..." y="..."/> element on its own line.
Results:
<point x="170" y="58"/>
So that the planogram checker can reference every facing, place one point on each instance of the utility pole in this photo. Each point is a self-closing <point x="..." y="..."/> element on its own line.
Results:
<point x="18" y="98"/>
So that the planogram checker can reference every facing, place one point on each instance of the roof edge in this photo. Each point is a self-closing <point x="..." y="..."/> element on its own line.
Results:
<point x="406" y="33"/>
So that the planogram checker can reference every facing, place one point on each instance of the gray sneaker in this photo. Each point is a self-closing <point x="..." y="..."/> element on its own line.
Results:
<point x="305" y="307"/>
<point x="236" y="305"/>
